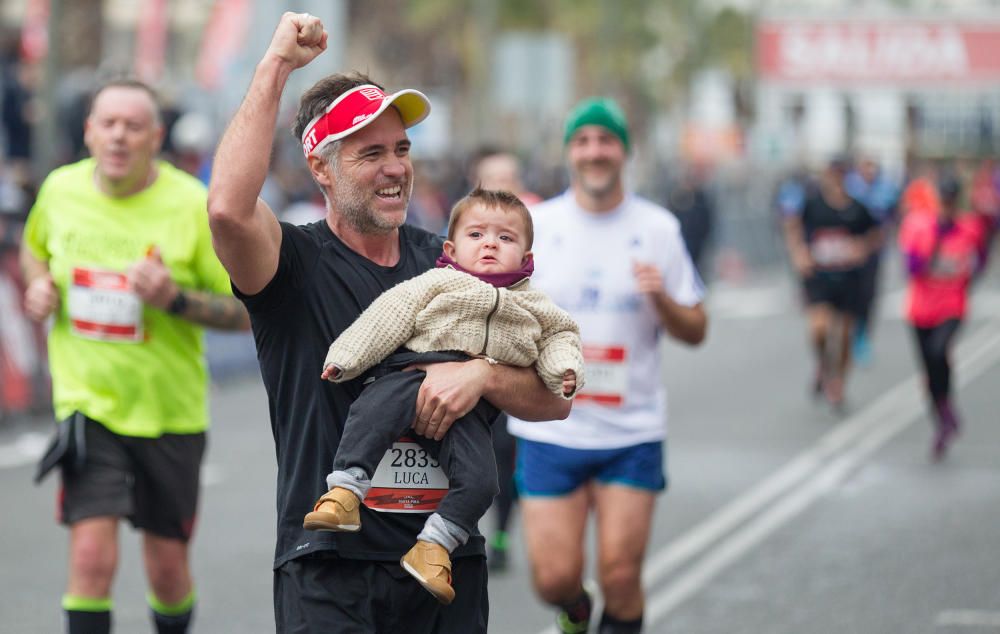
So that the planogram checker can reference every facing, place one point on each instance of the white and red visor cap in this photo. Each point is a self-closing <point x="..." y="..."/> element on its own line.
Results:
<point x="358" y="107"/>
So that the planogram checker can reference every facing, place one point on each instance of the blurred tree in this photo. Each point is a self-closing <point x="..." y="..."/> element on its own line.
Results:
<point x="78" y="33"/>
<point x="644" y="52"/>
<point x="75" y="34"/>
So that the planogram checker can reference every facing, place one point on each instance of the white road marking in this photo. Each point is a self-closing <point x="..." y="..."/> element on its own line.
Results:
<point x="782" y="496"/>
<point x="749" y="303"/>
<point x="968" y="618"/>
<point x="761" y="302"/>
<point x="212" y="474"/>
<point x="868" y="430"/>
<point x="26" y="449"/>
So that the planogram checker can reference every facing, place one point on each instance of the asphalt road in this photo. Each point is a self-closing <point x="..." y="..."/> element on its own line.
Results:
<point x="781" y="516"/>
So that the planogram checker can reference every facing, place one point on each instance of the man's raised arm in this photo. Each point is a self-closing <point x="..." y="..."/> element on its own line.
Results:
<point x="245" y="232"/>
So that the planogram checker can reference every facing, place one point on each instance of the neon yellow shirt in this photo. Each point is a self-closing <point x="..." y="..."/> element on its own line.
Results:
<point x="138" y="370"/>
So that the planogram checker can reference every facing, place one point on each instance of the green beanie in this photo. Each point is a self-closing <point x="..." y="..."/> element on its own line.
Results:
<point x="597" y="111"/>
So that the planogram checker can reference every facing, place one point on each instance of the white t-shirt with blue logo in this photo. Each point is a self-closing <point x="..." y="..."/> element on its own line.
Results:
<point x="583" y="261"/>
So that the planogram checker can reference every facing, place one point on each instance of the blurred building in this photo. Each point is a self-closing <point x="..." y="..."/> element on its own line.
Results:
<point x="892" y="84"/>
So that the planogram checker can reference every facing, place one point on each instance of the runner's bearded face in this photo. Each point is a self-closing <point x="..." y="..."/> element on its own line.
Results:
<point x="373" y="179"/>
<point x="596" y="159"/>
<point x="123" y="134"/>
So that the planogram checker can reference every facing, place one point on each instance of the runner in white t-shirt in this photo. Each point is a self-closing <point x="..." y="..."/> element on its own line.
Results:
<point x="618" y="265"/>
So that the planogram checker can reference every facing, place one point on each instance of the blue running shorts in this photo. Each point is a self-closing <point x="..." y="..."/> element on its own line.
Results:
<point x="544" y="469"/>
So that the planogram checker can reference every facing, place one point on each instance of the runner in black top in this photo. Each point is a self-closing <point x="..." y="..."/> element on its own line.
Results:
<point x="829" y="241"/>
<point x="293" y="312"/>
<point x="869" y="184"/>
<point x="303" y="286"/>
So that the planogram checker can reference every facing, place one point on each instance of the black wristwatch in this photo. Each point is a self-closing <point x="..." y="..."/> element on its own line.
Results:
<point x="178" y="304"/>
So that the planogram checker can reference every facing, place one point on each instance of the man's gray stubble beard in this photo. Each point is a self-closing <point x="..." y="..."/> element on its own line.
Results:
<point x="352" y="206"/>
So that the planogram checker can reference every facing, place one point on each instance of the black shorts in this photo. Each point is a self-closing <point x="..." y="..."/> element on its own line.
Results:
<point x="841" y="290"/>
<point x="325" y="593"/>
<point x="154" y="482"/>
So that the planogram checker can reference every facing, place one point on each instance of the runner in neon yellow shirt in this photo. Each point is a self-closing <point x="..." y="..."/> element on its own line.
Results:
<point x="85" y="236"/>
<point x="117" y="250"/>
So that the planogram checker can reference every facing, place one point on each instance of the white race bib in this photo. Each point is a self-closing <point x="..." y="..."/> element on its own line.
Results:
<point x="101" y="306"/>
<point x="607" y="375"/>
<point x="832" y="248"/>
<point x="407" y="480"/>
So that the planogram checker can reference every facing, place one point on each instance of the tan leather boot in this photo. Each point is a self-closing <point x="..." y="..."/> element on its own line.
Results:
<point x="337" y="511"/>
<point x="430" y="564"/>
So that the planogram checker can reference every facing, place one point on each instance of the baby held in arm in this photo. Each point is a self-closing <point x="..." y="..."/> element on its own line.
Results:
<point x="477" y="303"/>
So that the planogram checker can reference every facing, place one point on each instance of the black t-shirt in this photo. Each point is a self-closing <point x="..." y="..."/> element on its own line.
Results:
<point x="320" y="287"/>
<point x="826" y="228"/>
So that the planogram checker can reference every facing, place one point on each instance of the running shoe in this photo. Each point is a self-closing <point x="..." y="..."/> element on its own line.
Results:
<point x="942" y="441"/>
<point x="834" y="387"/>
<point x="337" y="511"/>
<point x="497" y="557"/>
<point x="568" y="626"/>
<point x="816" y="389"/>
<point x="947" y="429"/>
<point x="579" y="622"/>
<point x="861" y="349"/>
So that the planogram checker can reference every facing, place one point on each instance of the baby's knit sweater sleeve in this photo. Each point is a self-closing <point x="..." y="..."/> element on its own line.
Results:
<point x="559" y="348"/>
<point x="383" y="327"/>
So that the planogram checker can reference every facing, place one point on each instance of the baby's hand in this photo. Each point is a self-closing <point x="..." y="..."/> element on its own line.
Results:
<point x="331" y="372"/>
<point x="569" y="382"/>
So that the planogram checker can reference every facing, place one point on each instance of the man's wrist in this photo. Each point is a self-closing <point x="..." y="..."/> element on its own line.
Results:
<point x="275" y="67"/>
<point x="178" y="304"/>
<point x="664" y="302"/>
<point x="489" y="376"/>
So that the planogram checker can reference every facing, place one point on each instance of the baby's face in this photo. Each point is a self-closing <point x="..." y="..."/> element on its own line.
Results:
<point x="488" y="241"/>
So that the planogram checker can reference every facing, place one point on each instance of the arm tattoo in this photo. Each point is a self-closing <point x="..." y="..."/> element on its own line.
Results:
<point x="215" y="311"/>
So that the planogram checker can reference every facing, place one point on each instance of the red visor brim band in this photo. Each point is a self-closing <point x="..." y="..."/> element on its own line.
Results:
<point x="358" y="107"/>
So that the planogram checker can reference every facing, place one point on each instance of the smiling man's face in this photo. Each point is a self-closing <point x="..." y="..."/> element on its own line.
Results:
<point x="373" y="177"/>
<point x="596" y="160"/>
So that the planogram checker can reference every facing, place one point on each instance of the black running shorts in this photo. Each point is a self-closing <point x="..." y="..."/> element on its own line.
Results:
<point x="154" y="482"/>
<point x="840" y="290"/>
<point x="324" y="593"/>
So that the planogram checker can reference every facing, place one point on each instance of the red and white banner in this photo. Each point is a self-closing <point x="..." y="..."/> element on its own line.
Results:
<point x="222" y="41"/>
<point x="894" y="52"/>
<point x="151" y="41"/>
<point x="35" y="30"/>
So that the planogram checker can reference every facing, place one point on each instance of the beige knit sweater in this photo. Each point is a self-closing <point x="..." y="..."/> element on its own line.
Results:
<point x="445" y="309"/>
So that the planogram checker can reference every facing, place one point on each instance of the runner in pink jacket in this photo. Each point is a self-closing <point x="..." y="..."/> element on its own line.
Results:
<point x="944" y="252"/>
